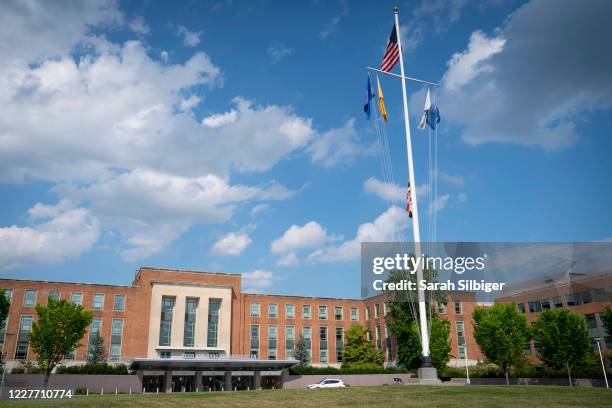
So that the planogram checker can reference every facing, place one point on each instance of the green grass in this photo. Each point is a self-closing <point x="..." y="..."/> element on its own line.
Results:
<point x="371" y="397"/>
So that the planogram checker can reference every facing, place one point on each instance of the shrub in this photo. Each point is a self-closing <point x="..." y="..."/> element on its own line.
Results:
<point x="363" y="369"/>
<point x="80" y="391"/>
<point x="99" y="368"/>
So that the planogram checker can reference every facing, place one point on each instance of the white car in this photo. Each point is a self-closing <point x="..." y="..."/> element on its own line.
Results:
<point x="327" y="383"/>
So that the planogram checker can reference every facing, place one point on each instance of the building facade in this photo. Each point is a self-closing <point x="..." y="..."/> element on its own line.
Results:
<point x="188" y="315"/>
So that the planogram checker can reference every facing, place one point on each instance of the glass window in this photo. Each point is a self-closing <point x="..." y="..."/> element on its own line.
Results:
<point x="307" y="334"/>
<point x="599" y="295"/>
<point x="272" y="341"/>
<point x="545" y="304"/>
<point x="116" y="334"/>
<point x="339" y="343"/>
<point x="289" y="340"/>
<point x="441" y="308"/>
<point x="119" y="305"/>
<point x="213" y="321"/>
<point x="272" y="310"/>
<point x="521" y="307"/>
<point x="23" y="338"/>
<point x="254" y="309"/>
<point x="98" y="301"/>
<point x="460" y="335"/>
<point x="255" y="340"/>
<point x="556" y="301"/>
<point x="570" y="299"/>
<point x="323" y="344"/>
<point x="535" y="306"/>
<point x="8" y="293"/>
<point x="77" y="298"/>
<point x="367" y="309"/>
<point x="322" y="312"/>
<point x="290" y="311"/>
<point x="354" y="313"/>
<point x="376" y="311"/>
<point x="29" y="298"/>
<point x="95" y="331"/>
<point x="165" y="323"/>
<point x="378" y="338"/>
<point x="305" y="311"/>
<point x="586" y="297"/>
<point x="458" y="308"/>
<point x="54" y="294"/>
<point x="191" y="307"/>
<point x="591" y="322"/>
<point x="338" y="312"/>
<point x="165" y="354"/>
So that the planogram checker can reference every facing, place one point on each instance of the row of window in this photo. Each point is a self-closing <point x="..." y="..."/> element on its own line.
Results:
<point x="571" y="299"/>
<point x="306" y="311"/>
<point x="290" y="341"/>
<point x="29" y="299"/>
<point x="457" y="306"/>
<point x="191" y="310"/>
<point x="25" y="327"/>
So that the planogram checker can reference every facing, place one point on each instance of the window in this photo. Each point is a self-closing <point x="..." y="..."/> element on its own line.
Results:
<point x="290" y="311"/>
<point x="189" y="355"/>
<point x="71" y="355"/>
<point x="289" y="340"/>
<point x="8" y="293"/>
<point x="367" y="312"/>
<point x="570" y="300"/>
<point x="165" y="354"/>
<point x="95" y="331"/>
<point x="191" y="307"/>
<point x="29" y="298"/>
<point x="384" y="309"/>
<point x="25" y="326"/>
<point x="98" y="301"/>
<point x="116" y="334"/>
<point x="307" y="335"/>
<point x="255" y="340"/>
<point x="338" y="312"/>
<point x="545" y="304"/>
<point x="54" y="294"/>
<point x="376" y="311"/>
<point x="599" y="295"/>
<point x="272" y="341"/>
<point x="254" y="309"/>
<point x="460" y="339"/>
<point x="521" y="307"/>
<point x="591" y="322"/>
<point x="165" y="323"/>
<point x="119" y="305"/>
<point x="378" y="338"/>
<point x="556" y="301"/>
<point x="441" y="308"/>
<point x="322" y="312"/>
<point x="77" y="298"/>
<point x="458" y="308"/>
<point x="213" y="321"/>
<point x="339" y="343"/>
<point x="585" y="297"/>
<point x="272" y="310"/>
<point x="354" y="313"/>
<point x="305" y="311"/>
<point x="3" y="335"/>
<point x="323" y="344"/>
<point x="535" y="306"/>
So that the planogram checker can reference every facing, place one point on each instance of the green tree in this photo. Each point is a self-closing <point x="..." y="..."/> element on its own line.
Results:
<point x="97" y="351"/>
<point x="57" y="331"/>
<point x="501" y="331"/>
<point x="4" y="311"/>
<point x="606" y="318"/>
<point x="562" y="339"/>
<point x="439" y="343"/>
<point x="359" y="352"/>
<point x="300" y="351"/>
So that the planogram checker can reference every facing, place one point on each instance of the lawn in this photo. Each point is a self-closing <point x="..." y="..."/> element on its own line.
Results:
<point x="389" y="396"/>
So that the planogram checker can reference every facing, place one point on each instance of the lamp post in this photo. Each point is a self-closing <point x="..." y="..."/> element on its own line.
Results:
<point x="603" y="367"/>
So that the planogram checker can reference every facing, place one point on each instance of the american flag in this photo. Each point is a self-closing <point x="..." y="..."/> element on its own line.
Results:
<point x="392" y="53"/>
<point x="409" y="204"/>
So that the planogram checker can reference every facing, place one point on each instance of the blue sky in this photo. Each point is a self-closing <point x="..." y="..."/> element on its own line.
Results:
<point x="229" y="136"/>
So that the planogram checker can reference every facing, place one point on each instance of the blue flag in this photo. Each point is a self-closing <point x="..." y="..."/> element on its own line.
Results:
<point x="431" y="114"/>
<point x="368" y="99"/>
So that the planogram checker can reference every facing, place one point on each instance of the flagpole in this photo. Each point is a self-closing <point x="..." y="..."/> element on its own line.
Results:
<point x="415" y="211"/>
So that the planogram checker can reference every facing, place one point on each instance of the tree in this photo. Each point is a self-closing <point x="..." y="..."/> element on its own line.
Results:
<point x="606" y="318"/>
<point x="4" y="311"/>
<point x="300" y="351"/>
<point x="562" y="339"/>
<point x="97" y="353"/>
<point x="57" y="331"/>
<point x="359" y="352"/>
<point x="501" y="331"/>
<point x="439" y="343"/>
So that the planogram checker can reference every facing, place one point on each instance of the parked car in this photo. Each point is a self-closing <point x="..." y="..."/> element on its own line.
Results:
<point x="328" y="383"/>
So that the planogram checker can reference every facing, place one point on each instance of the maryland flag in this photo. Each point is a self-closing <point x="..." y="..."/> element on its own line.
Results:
<point x="381" y="102"/>
<point x="409" y="200"/>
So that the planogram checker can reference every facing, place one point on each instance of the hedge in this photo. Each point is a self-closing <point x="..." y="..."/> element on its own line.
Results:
<point x="99" y="368"/>
<point x="528" y="371"/>
<point x="308" y="370"/>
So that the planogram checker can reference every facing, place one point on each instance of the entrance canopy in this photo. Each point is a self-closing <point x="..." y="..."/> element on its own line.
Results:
<point x="212" y="364"/>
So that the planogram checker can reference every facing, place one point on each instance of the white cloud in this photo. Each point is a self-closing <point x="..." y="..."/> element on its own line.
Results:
<point x="190" y="38"/>
<point x="290" y="259"/>
<point x="220" y="119"/>
<point x="386" y="227"/>
<point x="63" y="233"/>
<point x="462" y="197"/>
<point x="232" y="244"/>
<point x="278" y="51"/>
<point x="511" y="86"/>
<point x="453" y="180"/>
<point x="139" y="26"/>
<point x="259" y="208"/>
<point x="312" y="234"/>
<point x="332" y="25"/>
<point x="164" y="56"/>
<point x="440" y="202"/>
<point x="257" y="280"/>
<point x="337" y="145"/>
<point x="389" y="191"/>
<point x="187" y="104"/>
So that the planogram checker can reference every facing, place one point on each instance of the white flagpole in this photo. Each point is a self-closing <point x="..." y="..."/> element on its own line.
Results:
<point x="415" y="212"/>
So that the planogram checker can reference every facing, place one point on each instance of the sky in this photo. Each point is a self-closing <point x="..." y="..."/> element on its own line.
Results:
<point x="230" y="136"/>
